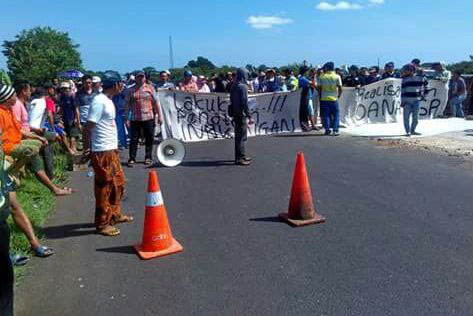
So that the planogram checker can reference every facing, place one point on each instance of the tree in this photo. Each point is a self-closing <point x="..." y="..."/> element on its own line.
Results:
<point x="39" y="54"/>
<point x="464" y="66"/>
<point x="201" y="62"/>
<point x="4" y="78"/>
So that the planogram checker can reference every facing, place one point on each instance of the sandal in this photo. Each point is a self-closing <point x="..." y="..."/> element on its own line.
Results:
<point x="109" y="231"/>
<point x="148" y="162"/>
<point x="19" y="259"/>
<point x="42" y="251"/>
<point x="124" y="219"/>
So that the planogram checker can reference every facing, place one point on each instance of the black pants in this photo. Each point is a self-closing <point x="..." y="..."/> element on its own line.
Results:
<point x="145" y="128"/>
<point x="48" y="158"/>
<point x="6" y="272"/>
<point x="241" y="135"/>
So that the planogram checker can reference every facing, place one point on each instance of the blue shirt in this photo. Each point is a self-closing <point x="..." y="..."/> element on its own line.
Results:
<point x="66" y="103"/>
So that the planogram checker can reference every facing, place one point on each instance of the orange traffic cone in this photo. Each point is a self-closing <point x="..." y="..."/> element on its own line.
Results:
<point x="157" y="236"/>
<point x="301" y="207"/>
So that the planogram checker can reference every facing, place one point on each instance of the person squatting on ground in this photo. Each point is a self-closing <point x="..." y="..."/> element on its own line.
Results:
<point x="24" y="147"/>
<point x="239" y="111"/>
<point x="142" y="112"/>
<point x="101" y="147"/>
<point x="412" y="92"/>
<point x="329" y="86"/>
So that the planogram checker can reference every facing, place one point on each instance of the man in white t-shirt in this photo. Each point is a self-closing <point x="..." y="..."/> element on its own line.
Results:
<point x="101" y="147"/>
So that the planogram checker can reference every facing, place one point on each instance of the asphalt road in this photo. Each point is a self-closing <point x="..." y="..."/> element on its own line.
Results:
<point x="398" y="238"/>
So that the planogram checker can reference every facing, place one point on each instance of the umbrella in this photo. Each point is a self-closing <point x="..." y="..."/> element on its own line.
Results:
<point x="71" y="74"/>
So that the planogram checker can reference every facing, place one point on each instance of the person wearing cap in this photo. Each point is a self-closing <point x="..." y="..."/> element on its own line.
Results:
<point x="143" y="112"/>
<point x="329" y="86"/>
<point x="353" y="79"/>
<point x="24" y="147"/>
<point x="389" y="71"/>
<point x="202" y="85"/>
<point x="188" y="83"/>
<point x="164" y="82"/>
<point x="101" y="147"/>
<point x="97" y="84"/>
<point x="70" y="119"/>
<point x="412" y="92"/>
<point x="239" y="111"/>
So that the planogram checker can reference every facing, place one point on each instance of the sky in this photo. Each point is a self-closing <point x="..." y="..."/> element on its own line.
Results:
<point x="129" y="35"/>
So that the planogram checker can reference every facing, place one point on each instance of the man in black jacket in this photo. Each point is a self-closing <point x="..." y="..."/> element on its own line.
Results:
<point x="240" y="113"/>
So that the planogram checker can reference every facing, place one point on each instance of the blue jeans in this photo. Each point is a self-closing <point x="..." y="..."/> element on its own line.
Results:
<point x="456" y="108"/>
<point x="330" y="115"/>
<point x="411" y="108"/>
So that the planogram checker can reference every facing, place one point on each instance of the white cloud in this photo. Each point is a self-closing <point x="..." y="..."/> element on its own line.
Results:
<point x="341" y="5"/>
<point x="266" y="22"/>
<point x="345" y="5"/>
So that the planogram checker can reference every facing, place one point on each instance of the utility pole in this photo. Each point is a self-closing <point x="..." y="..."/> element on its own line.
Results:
<point x="171" y="54"/>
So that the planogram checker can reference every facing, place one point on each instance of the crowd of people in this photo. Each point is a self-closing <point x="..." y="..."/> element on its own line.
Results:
<point x="113" y="113"/>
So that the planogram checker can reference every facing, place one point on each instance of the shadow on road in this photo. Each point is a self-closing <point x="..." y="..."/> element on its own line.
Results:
<point x="270" y="219"/>
<point x="72" y="230"/>
<point x="207" y="163"/>
<point x="299" y="135"/>
<point x="120" y="249"/>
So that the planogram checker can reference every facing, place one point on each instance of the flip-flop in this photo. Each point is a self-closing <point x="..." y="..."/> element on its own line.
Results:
<point x="68" y="190"/>
<point x="42" y="251"/>
<point x="124" y="219"/>
<point x="18" y="259"/>
<point x="109" y="231"/>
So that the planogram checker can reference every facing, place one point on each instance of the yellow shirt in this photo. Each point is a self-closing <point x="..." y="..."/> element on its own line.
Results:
<point x="328" y="83"/>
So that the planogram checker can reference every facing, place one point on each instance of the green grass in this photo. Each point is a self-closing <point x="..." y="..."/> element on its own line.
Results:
<point x="38" y="203"/>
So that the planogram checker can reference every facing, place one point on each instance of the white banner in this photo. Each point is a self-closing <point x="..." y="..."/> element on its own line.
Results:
<point x="380" y="102"/>
<point x="192" y="117"/>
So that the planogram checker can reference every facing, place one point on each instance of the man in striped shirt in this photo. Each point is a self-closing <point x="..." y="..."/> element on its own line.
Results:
<point x="412" y="92"/>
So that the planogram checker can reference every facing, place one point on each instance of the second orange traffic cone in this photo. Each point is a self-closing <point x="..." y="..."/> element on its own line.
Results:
<point x="301" y="206"/>
<point x="157" y="237"/>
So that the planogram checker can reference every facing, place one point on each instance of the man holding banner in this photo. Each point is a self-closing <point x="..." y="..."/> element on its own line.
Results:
<point x="240" y="113"/>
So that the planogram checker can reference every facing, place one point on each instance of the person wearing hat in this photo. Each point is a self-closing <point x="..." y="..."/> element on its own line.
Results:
<point x="329" y="86"/>
<point x="412" y="92"/>
<point x="70" y="117"/>
<point x="389" y="71"/>
<point x="143" y="112"/>
<point x="101" y="148"/>
<point x="24" y="147"/>
<point x="97" y="84"/>
<point x="202" y="85"/>
<point x="188" y="83"/>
